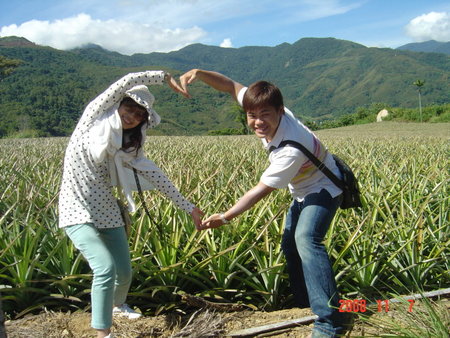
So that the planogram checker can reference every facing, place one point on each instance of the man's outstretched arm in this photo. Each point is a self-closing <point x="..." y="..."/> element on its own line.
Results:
<point x="215" y="80"/>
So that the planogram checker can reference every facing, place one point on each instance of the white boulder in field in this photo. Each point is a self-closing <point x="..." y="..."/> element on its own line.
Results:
<point x="382" y="114"/>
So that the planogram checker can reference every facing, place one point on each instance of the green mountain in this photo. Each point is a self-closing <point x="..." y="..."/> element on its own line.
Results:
<point x="320" y="79"/>
<point x="428" y="47"/>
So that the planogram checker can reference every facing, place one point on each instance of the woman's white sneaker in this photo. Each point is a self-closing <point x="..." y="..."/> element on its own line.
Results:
<point x="125" y="311"/>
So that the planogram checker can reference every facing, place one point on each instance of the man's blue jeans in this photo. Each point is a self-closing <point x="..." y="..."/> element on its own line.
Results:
<point x="309" y="267"/>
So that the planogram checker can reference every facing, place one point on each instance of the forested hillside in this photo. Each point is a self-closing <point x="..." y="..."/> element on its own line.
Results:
<point x="321" y="79"/>
<point x="428" y="47"/>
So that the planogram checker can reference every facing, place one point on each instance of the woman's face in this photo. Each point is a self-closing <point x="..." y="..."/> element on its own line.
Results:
<point x="131" y="116"/>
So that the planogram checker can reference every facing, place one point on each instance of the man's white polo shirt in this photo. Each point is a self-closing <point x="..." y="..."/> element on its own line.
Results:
<point x="289" y="167"/>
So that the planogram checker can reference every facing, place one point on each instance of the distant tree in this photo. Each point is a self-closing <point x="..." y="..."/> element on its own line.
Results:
<point x="311" y="125"/>
<point x="241" y="118"/>
<point x="7" y="66"/>
<point x="419" y="84"/>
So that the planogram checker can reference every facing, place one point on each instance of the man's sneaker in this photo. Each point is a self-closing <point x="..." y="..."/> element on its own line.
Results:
<point x="125" y="311"/>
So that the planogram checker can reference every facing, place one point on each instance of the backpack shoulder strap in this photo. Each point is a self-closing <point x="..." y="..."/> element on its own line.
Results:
<point x="318" y="163"/>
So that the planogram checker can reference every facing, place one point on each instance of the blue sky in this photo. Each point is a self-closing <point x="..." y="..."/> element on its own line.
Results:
<point x="144" y="26"/>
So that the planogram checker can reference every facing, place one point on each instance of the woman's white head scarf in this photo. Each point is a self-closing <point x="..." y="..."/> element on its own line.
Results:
<point x="142" y="96"/>
<point x="107" y="136"/>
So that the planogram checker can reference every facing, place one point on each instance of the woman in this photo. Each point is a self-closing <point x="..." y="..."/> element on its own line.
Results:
<point x="107" y="142"/>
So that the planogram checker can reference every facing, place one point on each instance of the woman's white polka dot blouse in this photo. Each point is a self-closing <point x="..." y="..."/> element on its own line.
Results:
<point x="86" y="195"/>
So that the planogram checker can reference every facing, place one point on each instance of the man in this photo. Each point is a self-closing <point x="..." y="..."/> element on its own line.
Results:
<point x="315" y="197"/>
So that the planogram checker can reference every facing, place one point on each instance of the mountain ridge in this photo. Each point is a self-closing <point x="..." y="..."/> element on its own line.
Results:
<point x="321" y="78"/>
<point x="430" y="46"/>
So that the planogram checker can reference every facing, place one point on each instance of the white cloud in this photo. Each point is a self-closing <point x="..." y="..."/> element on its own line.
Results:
<point x="126" y="37"/>
<point x="307" y="10"/>
<point x="431" y="26"/>
<point x="182" y="13"/>
<point x="226" y="43"/>
<point x="142" y="26"/>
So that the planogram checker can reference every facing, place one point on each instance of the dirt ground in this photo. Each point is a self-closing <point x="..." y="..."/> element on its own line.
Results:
<point x="204" y="323"/>
<point x="200" y="323"/>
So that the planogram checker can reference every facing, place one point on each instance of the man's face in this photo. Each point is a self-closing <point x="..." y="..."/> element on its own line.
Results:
<point x="264" y="121"/>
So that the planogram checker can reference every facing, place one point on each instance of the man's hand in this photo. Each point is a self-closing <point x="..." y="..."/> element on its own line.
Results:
<point x="213" y="221"/>
<point x="187" y="78"/>
<point x="175" y="86"/>
<point x="213" y="79"/>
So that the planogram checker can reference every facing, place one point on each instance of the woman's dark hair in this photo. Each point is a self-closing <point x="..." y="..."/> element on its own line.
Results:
<point x="261" y="94"/>
<point x="132" y="138"/>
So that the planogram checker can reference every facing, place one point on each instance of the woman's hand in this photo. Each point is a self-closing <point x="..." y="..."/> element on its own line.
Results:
<point x="197" y="214"/>
<point x="175" y="86"/>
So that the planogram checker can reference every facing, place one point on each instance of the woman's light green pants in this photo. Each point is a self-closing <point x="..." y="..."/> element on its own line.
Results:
<point x="108" y="255"/>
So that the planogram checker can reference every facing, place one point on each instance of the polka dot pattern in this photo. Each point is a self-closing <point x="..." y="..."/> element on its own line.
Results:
<point x="163" y="184"/>
<point x="113" y="95"/>
<point x="86" y="195"/>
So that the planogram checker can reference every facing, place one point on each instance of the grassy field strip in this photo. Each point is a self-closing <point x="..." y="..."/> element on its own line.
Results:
<point x="396" y="244"/>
